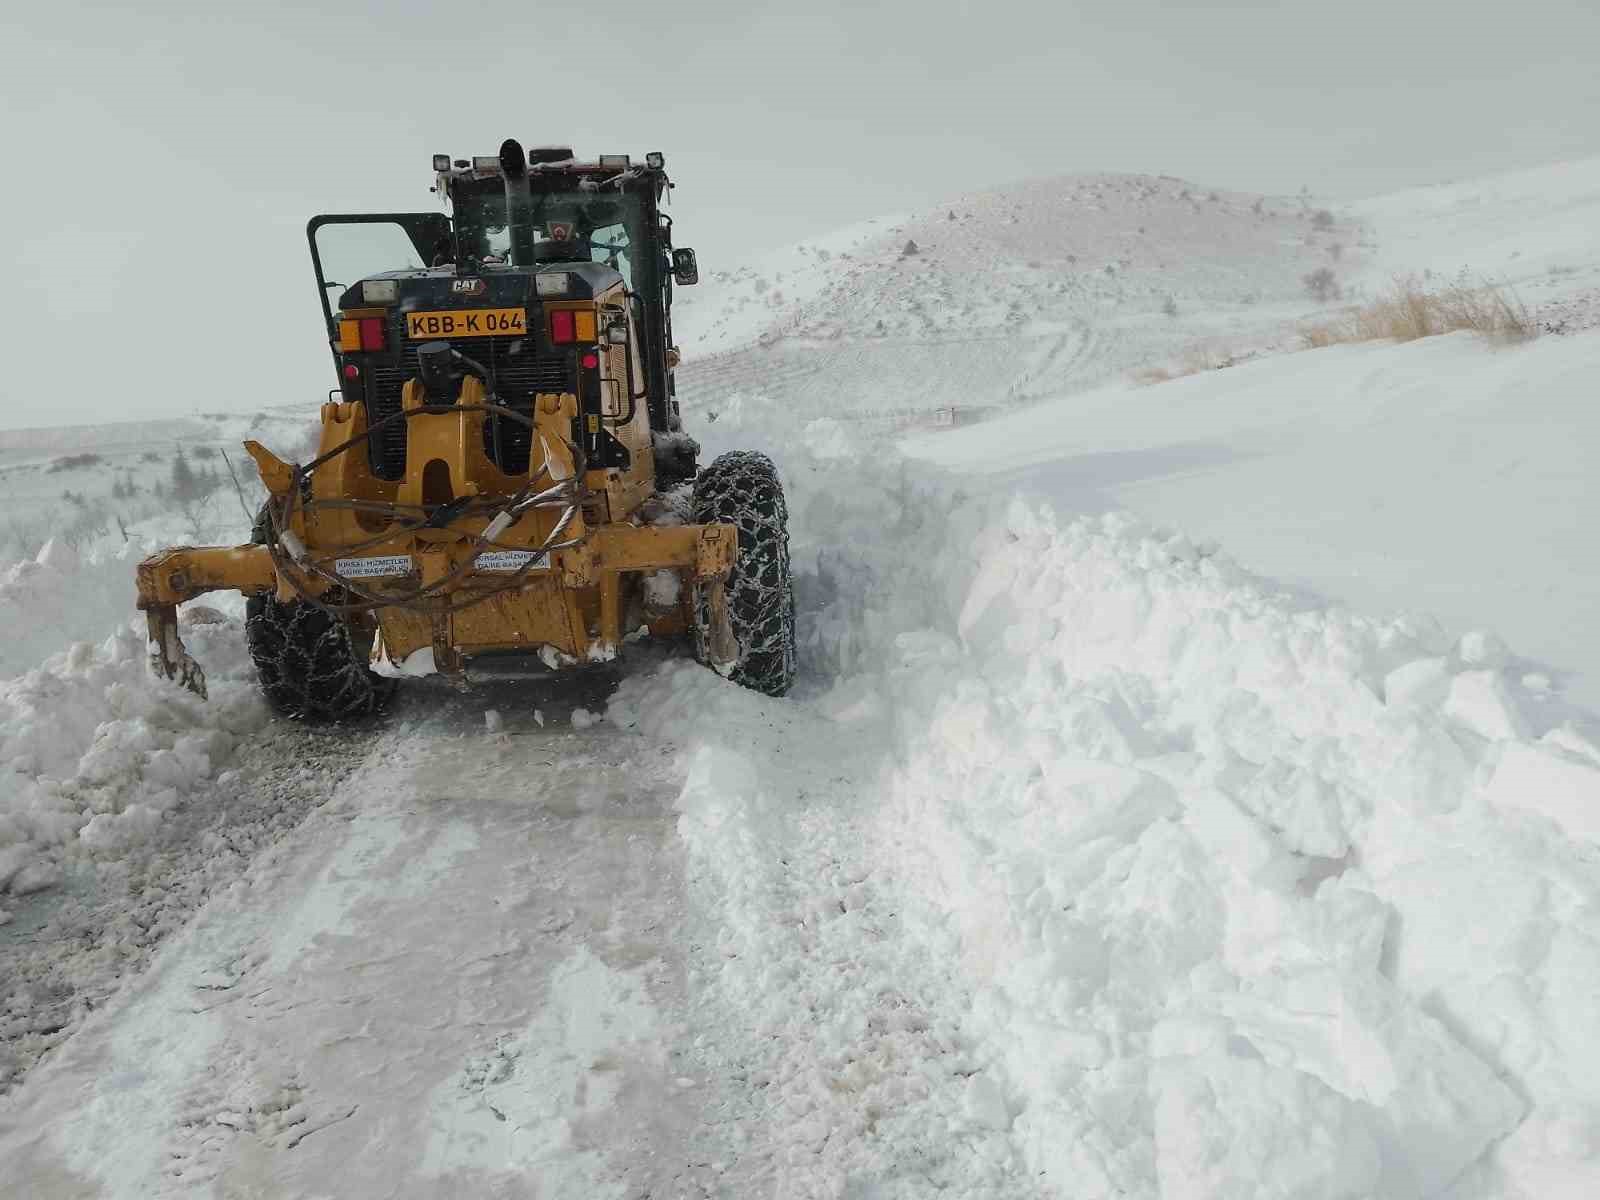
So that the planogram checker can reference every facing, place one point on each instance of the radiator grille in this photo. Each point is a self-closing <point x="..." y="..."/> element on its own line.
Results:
<point x="520" y="373"/>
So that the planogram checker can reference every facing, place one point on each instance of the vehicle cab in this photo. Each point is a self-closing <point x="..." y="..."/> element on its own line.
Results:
<point x="548" y="275"/>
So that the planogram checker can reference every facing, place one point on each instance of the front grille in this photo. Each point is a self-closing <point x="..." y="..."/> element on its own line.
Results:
<point x="520" y="373"/>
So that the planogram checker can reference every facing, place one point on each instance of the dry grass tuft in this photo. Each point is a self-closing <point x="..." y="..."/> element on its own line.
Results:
<point x="1195" y="360"/>
<point x="1206" y="358"/>
<point x="1146" y="376"/>
<point x="1409" y="310"/>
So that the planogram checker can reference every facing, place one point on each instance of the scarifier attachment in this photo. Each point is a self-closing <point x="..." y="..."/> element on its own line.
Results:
<point x="168" y="655"/>
<point x="167" y="579"/>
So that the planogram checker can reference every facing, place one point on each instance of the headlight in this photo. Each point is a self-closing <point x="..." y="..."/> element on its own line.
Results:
<point x="552" y="283"/>
<point x="380" y="291"/>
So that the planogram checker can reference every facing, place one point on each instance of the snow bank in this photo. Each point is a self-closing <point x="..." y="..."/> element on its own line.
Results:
<point x="94" y="749"/>
<point x="1444" y="476"/>
<point x="1241" y="921"/>
<point x="1246" y="896"/>
<point x="60" y="597"/>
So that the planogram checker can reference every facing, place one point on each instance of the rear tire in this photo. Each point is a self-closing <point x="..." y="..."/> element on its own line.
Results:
<point x="742" y="489"/>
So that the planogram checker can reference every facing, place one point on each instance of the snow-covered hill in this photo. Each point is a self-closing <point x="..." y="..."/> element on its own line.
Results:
<point x="1090" y="858"/>
<point x="1005" y="296"/>
<point x="1448" y="477"/>
<point x="1534" y="230"/>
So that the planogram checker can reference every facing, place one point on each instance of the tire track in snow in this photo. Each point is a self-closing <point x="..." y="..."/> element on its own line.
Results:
<point x="467" y="892"/>
<point x="67" y="953"/>
<point x="849" y="1028"/>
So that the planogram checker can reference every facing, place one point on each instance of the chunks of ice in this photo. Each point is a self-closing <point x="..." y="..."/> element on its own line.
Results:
<point x="1483" y="649"/>
<point x="1423" y="682"/>
<point x="1552" y="783"/>
<point x="1230" y="1124"/>
<point x="1481" y="701"/>
<point x="12" y="861"/>
<point x="35" y="877"/>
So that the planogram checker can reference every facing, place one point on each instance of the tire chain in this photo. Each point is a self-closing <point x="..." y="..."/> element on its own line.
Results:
<point x="742" y="489"/>
<point x="307" y="663"/>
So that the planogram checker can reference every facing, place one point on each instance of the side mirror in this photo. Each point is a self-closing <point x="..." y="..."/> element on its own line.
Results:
<point x="684" y="268"/>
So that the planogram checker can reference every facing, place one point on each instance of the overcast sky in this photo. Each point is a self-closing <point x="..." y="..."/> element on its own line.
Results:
<point x="165" y="156"/>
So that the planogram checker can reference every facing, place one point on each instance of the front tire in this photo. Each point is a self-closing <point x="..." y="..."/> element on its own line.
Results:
<point x="742" y="489"/>
<point x="310" y="666"/>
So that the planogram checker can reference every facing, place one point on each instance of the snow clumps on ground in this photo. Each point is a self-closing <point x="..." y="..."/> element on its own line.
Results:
<point x="1189" y="886"/>
<point x="94" y="749"/>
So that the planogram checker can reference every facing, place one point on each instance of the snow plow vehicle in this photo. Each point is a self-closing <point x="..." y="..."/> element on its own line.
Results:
<point x="501" y="469"/>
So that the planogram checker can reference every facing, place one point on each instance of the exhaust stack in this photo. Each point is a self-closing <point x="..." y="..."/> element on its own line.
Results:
<point x="519" y="202"/>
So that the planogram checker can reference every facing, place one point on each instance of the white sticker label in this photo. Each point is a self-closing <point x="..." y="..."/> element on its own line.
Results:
<point x="373" y="568"/>
<point x="512" y="560"/>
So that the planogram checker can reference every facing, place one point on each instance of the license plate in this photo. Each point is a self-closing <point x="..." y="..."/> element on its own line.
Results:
<point x="512" y="560"/>
<point x="467" y="322"/>
<point x="375" y="567"/>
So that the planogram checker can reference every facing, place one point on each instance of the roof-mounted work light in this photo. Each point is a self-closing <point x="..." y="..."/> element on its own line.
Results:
<point x="655" y="160"/>
<point x="441" y="163"/>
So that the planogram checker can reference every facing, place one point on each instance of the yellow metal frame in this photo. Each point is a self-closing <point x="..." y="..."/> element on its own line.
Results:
<point x="581" y="604"/>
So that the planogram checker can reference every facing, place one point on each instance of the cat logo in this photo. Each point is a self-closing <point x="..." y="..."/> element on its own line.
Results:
<point x="468" y="287"/>
<point x="562" y="231"/>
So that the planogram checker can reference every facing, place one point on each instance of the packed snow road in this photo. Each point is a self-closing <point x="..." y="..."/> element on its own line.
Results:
<point x="479" y="970"/>
<point x="454" y="971"/>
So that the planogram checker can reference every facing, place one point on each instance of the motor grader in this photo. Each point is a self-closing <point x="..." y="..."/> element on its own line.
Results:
<point x="502" y="472"/>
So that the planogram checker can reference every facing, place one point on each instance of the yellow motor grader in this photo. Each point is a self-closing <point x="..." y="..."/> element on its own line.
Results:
<point x="502" y="469"/>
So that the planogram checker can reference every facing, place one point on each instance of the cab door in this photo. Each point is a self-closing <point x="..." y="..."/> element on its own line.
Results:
<point x="346" y="247"/>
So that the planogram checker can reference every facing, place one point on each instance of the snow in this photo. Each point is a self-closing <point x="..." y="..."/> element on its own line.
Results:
<point x="1534" y="229"/>
<point x="1191" y="790"/>
<point x="95" y="749"/>
<point x="1445" y="477"/>
<point x="1169" y="822"/>
<point x="530" y="1043"/>
<point x="1552" y="782"/>
<point x="61" y="597"/>
<point x="1045" y="285"/>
